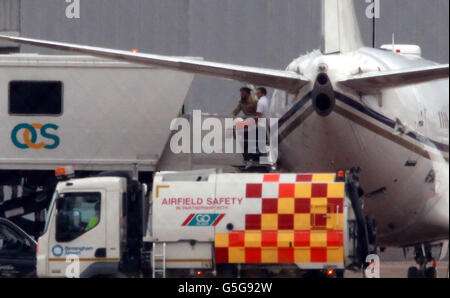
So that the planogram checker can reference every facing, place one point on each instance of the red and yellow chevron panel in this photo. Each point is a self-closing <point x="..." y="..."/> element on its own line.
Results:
<point x="280" y="247"/>
<point x="302" y="221"/>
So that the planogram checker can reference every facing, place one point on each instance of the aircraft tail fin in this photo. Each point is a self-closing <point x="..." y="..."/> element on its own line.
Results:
<point x="340" y="27"/>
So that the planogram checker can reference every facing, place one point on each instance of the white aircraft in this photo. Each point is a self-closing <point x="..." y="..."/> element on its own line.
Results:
<point x="383" y="110"/>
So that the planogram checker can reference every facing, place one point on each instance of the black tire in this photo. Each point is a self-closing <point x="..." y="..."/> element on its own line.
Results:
<point x="371" y="229"/>
<point x="362" y="233"/>
<point x="413" y="272"/>
<point x="340" y="273"/>
<point x="227" y="271"/>
<point x="431" y="272"/>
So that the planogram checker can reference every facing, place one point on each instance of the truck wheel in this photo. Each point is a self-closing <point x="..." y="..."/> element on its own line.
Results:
<point x="227" y="271"/>
<point x="413" y="272"/>
<point x="340" y="273"/>
<point x="371" y="229"/>
<point x="431" y="272"/>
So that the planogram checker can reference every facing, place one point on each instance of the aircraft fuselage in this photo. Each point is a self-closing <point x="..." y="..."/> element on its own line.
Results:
<point x="399" y="137"/>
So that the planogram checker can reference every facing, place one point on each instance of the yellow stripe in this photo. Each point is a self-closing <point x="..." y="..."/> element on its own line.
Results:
<point x="185" y="261"/>
<point x="117" y="260"/>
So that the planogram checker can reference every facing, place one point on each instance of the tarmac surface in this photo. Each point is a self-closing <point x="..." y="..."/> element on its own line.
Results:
<point x="399" y="269"/>
<point x="394" y="264"/>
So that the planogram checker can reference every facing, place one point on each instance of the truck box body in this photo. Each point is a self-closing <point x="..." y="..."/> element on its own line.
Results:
<point x="252" y="218"/>
<point x="91" y="113"/>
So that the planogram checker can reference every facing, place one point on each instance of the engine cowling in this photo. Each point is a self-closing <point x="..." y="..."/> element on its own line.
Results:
<point x="323" y="95"/>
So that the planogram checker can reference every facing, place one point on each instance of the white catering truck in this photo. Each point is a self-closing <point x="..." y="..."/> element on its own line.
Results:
<point x="204" y="223"/>
<point x="92" y="113"/>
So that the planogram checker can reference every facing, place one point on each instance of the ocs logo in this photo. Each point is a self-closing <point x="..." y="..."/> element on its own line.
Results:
<point x="25" y="136"/>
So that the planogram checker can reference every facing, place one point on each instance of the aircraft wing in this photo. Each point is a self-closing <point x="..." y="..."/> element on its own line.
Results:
<point x="387" y="79"/>
<point x="278" y="79"/>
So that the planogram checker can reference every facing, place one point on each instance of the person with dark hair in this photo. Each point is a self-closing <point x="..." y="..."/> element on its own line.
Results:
<point x="262" y="90"/>
<point x="247" y="104"/>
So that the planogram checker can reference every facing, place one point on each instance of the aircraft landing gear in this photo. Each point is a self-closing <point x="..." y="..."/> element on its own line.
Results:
<point x="423" y="256"/>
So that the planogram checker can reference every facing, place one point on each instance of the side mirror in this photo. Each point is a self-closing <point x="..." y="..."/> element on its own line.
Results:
<point x="145" y="190"/>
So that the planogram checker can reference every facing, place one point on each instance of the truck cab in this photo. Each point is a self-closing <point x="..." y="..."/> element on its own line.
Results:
<point x="17" y="251"/>
<point x="82" y="227"/>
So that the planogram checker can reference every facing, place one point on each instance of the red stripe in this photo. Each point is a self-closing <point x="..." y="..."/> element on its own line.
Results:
<point x="271" y="178"/>
<point x="218" y="220"/>
<point x="188" y="219"/>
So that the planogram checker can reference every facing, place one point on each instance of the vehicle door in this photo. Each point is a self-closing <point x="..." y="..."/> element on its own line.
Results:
<point x="17" y="252"/>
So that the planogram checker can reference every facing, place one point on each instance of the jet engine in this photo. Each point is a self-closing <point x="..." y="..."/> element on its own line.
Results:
<point x="323" y="95"/>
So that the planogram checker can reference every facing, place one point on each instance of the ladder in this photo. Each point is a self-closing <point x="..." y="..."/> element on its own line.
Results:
<point x="162" y="270"/>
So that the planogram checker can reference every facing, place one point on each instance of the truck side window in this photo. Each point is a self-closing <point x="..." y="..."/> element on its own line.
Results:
<point x="35" y="97"/>
<point x="78" y="213"/>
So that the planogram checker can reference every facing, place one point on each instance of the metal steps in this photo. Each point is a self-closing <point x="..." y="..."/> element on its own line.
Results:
<point x="157" y="257"/>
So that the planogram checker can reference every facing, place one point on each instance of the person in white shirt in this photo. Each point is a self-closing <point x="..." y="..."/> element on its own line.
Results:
<point x="263" y="109"/>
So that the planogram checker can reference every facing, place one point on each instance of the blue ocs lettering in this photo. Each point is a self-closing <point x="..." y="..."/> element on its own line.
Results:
<point x="30" y="135"/>
<point x="50" y="136"/>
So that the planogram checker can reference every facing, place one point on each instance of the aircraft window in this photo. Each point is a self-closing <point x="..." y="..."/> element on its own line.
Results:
<point x="35" y="97"/>
<point x="78" y="213"/>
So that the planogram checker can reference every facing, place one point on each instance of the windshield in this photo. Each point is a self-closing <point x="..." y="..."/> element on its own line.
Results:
<point x="78" y="213"/>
